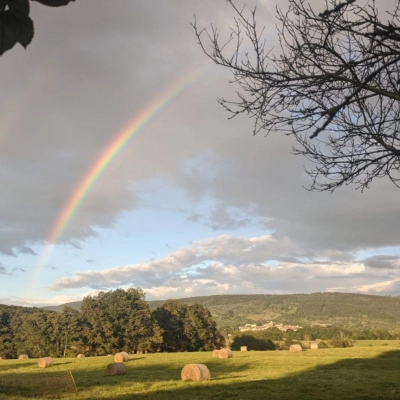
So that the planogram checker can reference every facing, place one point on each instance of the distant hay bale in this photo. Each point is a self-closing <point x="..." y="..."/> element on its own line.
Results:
<point x="80" y="356"/>
<point x="118" y="368"/>
<point x="314" y="346"/>
<point x="121" y="357"/>
<point x="295" y="348"/>
<point x="215" y="353"/>
<point x="195" y="372"/>
<point x="23" y="357"/>
<point x="45" y="362"/>
<point x="243" y="348"/>
<point x="225" y="353"/>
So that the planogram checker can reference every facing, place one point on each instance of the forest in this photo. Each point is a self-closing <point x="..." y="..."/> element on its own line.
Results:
<point x="119" y="320"/>
<point x="122" y="320"/>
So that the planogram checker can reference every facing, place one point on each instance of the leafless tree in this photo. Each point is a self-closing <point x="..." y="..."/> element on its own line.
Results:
<point x="333" y="84"/>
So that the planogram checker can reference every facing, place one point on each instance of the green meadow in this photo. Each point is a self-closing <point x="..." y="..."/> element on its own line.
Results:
<point x="369" y="370"/>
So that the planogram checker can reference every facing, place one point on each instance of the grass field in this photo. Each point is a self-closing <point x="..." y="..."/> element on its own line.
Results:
<point x="362" y="372"/>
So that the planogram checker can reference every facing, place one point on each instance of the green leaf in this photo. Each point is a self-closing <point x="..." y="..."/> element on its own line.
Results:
<point x="8" y="32"/>
<point x="19" y="5"/>
<point x="25" y="29"/>
<point x="54" y="3"/>
<point x="14" y="27"/>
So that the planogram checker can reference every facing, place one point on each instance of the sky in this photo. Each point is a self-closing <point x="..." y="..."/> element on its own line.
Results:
<point x="118" y="168"/>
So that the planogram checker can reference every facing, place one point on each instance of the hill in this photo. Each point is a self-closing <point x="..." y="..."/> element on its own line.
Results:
<point x="348" y="310"/>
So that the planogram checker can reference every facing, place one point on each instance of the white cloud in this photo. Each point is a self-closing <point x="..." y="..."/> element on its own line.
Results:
<point x="228" y="264"/>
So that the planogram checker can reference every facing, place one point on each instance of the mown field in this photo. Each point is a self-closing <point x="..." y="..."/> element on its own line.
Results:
<point x="370" y="370"/>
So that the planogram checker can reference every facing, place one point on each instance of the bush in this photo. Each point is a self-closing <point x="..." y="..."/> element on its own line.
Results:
<point x="340" y="343"/>
<point x="252" y="343"/>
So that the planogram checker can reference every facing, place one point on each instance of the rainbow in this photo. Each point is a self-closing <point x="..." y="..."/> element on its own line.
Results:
<point x="110" y="152"/>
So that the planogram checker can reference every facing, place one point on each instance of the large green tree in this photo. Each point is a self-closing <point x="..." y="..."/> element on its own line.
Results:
<point x="187" y="328"/>
<point x="119" y="320"/>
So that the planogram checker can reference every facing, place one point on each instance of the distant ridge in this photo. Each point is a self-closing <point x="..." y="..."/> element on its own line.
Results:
<point x="348" y="310"/>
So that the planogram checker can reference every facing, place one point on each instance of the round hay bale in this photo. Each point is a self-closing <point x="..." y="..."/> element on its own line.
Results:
<point x="243" y="348"/>
<point x="118" y="368"/>
<point x="225" y="353"/>
<point x="45" y="362"/>
<point x="80" y="356"/>
<point x="215" y="353"/>
<point x="295" y="347"/>
<point x="195" y="372"/>
<point x="314" y="346"/>
<point x="23" y="357"/>
<point x="121" y="357"/>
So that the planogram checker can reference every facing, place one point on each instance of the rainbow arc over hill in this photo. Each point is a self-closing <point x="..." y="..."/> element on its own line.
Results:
<point x="119" y="141"/>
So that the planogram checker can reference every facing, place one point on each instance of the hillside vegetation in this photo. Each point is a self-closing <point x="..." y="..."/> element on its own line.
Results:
<point x="349" y="310"/>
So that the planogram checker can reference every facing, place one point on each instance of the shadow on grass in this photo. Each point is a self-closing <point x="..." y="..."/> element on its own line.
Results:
<point x="348" y="379"/>
<point x="20" y="364"/>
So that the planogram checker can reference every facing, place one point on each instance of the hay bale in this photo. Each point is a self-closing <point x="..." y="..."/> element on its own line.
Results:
<point x="295" y="347"/>
<point x="215" y="353"/>
<point x="121" y="357"/>
<point x="45" y="362"/>
<point x="80" y="356"/>
<point x="23" y="357"/>
<point x="225" y="353"/>
<point x="195" y="372"/>
<point x="243" y="348"/>
<point x="314" y="346"/>
<point x="118" y="368"/>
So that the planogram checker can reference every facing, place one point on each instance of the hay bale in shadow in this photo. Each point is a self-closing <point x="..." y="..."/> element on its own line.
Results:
<point x="225" y="353"/>
<point x="195" y="372"/>
<point x="45" y="362"/>
<point x="118" y="368"/>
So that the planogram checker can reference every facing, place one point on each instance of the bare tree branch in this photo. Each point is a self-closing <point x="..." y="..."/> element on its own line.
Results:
<point x="333" y="84"/>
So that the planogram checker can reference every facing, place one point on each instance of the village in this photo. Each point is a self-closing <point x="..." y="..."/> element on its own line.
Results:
<point x="271" y="324"/>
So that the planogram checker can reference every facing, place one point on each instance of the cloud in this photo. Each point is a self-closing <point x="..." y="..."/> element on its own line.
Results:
<point x="29" y="301"/>
<point x="229" y="264"/>
<point x="3" y="270"/>
<point x="17" y="269"/>
<point x="382" y="262"/>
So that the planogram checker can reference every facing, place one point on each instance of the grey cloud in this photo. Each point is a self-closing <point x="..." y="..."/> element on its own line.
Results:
<point x="382" y="262"/>
<point x="18" y="269"/>
<point x="194" y="218"/>
<point x="223" y="217"/>
<point x="4" y="271"/>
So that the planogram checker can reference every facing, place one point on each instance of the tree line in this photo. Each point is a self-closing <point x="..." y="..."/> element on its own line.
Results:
<point x="331" y="336"/>
<point x="119" y="320"/>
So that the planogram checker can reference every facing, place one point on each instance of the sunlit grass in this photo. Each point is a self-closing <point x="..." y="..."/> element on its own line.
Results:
<point x="361" y="372"/>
